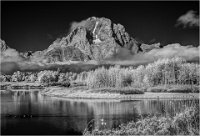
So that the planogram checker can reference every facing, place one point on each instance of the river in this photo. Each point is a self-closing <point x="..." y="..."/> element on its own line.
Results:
<point x="30" y="113"/>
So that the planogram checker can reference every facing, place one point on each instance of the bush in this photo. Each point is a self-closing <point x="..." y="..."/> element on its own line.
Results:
<point x="2" y="78"/>
<point x="75" y="84"/>
<point x="32" y="78"/>
<point x="18" y="76"/>
<point x="175" y="89"/>
<point x="184" y="123"/>
<point x="157" y="89"/>
<point x="187" y="122"/>
<point x="126" y="90"/>
<point x="8" y="78"/>
<point x="48" y="77"/>
<point x="63" y="77"/>
<point x="61" y="84"/>
<point x="182" y="90"/>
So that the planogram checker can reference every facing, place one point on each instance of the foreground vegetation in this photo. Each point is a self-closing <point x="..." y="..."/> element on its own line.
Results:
<point x="164" y="75"/>
<point x="173" y="75"/>
<point x="183" y="123"/>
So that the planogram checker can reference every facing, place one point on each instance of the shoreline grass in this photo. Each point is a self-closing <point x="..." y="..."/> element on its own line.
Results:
<point x="85" y="93"/>
<point x="183" y="123"/>
<point x="20" y="85"/>
<point x="125" y="90"/>
<point x="174" y="89"/>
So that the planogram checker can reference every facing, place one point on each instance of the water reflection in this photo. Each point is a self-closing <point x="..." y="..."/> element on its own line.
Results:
<point x="60" y="116"/>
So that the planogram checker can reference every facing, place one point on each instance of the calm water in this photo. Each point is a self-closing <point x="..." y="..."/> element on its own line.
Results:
<point x="28" y="112"/>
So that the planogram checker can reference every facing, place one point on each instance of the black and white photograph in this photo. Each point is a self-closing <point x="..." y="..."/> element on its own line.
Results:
<point x="90" y="68"/>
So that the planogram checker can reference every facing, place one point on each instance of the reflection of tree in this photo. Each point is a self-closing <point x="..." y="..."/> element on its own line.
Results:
<point x="74" y="115"/>
<point x="113" y="113"/>
<point x="163" y="107"/>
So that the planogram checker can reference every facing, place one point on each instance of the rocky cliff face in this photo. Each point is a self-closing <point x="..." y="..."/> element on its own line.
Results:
<point x="3" y="46"/>
<point x="95" y="39"/>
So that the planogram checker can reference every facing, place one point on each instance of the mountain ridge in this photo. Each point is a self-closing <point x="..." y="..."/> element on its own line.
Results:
<point x="96" y="38"/>
<point x="92" y="39"/>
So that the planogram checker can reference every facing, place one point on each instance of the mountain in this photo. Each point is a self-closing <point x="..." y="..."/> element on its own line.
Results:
<point x="92" y="39"/>
<point x="96" y="41"/>
<point x="3" y="46"/>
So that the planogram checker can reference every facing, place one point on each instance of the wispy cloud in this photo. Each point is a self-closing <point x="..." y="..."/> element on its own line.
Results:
<point x="190" y="53"/>
<point x="76" y="24"/>
<point x="10" y="55"/>
<point x="190" y="19"/>
<point x="174" y="50"/>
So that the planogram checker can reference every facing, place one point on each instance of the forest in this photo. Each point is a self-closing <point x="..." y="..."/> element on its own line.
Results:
<point x="166" y="74"/>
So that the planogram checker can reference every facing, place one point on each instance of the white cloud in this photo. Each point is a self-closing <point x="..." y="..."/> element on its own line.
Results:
<point x="10" y="55"/>
<point x="174" y="50"/>
<point x="190" y="19"/>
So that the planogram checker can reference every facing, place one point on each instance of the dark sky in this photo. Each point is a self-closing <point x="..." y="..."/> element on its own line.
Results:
<point x="35" y="25"/>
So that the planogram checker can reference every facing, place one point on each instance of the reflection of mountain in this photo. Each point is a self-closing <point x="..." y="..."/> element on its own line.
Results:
<point x="73" y="116"/>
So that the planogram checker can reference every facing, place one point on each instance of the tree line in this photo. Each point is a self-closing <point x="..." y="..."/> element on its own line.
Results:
<point x="173" y="71"/>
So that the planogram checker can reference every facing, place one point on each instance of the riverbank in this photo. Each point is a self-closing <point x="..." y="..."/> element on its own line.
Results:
<point x="85" y="93"/>
<point x="126" y="93"/>
<point x="20" y="85"/>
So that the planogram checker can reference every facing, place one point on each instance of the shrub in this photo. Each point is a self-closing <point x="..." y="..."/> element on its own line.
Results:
<point x="157" y="89"/>
<point x="184" y="123"/>
<point x="187" y="122"/>
<point x="82" y="76"/>
<point x="75" y="84"/>
<point x="18" y="76"/>
<point x="61" y="84"/>
<point x="2" y="78"/>
<point x="47" y="77"/>
<point x="182" y="90"/>
<point x="63" y="78"/>
<point x="125" y="90"/>
<point x="175" y="89"/>
<point x="8" y="78"/>
<point x="32" y="78"/>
